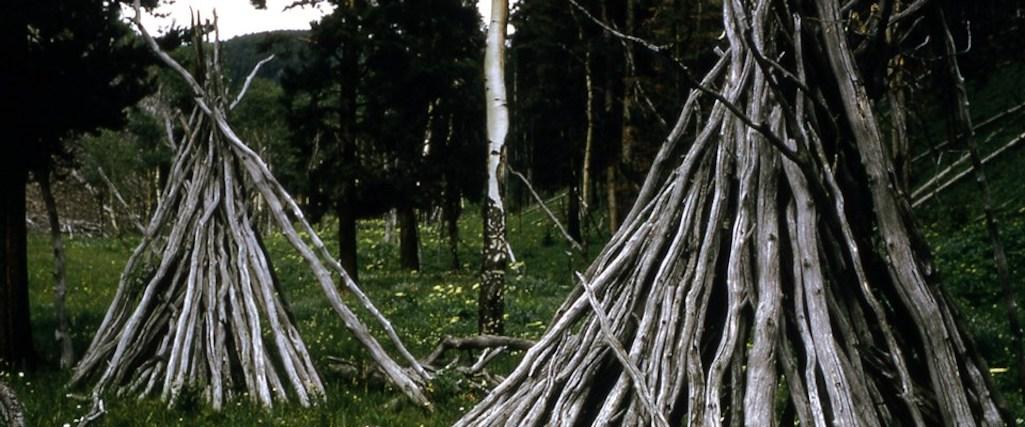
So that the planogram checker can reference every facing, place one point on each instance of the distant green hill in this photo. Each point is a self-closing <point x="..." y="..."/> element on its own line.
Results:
<point x="241" y="53"/>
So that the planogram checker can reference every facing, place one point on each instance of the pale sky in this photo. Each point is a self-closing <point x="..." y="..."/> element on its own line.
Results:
<point x="237" y="17"/>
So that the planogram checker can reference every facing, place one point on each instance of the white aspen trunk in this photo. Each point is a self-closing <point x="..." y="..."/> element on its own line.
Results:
<point x="496" y="248"/>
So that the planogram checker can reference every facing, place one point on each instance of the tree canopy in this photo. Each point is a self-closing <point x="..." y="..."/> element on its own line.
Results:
<point x="69" y="68"/>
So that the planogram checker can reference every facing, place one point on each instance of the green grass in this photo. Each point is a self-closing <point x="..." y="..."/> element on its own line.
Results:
<point x="954" y="226"/>
<point x="423" y="306"/>
<point x="964" y="259"/>
<point x="426" y="305"/>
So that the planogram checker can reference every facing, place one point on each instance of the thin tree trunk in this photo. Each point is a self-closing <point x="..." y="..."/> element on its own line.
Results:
<point x="15" y="326"/>
<point x="585" y="169"/>
<point x="451" y="211"/>
<point x="391" y="223"/>
<point x="610" y="133"/>
<point x="491" y="304"/>
<point x="347" y="247"/>
<point x="963" y="131"/>
<point x="611" y="196"/>
<point x="67" y="357"/>
<point x="347" y="146"/>
<point x="573" y="207"/>
<point x="409" y="239"/>
<point x="624" y="191"/>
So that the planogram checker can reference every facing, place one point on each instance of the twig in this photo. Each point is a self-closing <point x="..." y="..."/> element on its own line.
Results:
<point x="476" y="342"/>
<point x="908" y="11"/>
<point x="975" y="128"/>
<point x="925" y="198"/>
<point x="95" y="412"/>
<point x="117" y="195"/>
<point x="249" y="81"/>
<point x="573" y="242"/>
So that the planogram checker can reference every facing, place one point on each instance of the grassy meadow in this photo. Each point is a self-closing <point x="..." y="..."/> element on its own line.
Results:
<point x="423" y="306"/>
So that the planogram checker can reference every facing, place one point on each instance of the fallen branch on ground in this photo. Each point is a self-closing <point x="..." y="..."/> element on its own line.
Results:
<point x="493" y="346"/>
<point x="477" y="342"/>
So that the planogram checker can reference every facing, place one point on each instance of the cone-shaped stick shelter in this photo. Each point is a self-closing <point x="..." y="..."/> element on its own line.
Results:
<point x="769" y="271"/>
<point x="198" y="304"/>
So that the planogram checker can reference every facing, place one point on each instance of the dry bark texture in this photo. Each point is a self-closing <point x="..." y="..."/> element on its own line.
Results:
<point x="198" y="306"/>
<point x="769" y="272"/>
<point x="12" y="413"/>
<point x="491" y="302"/>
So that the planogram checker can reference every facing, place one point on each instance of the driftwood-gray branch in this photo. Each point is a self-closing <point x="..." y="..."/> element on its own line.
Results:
<point x="207" y="311"/>
<point x="541" y="203"/>
<point x="249" y="81"/>
<point x="117" y="195"/>
<point x="12" y="413"/>
<point x="743" y="287"/>
<point x="975" y="128"/>
<point x="476" y="342"/>
<point x="939" y="182"/>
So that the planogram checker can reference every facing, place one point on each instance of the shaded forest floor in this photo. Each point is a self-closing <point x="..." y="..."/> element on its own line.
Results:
<point x="426" y="305"/>
<point x="423" y="306"/>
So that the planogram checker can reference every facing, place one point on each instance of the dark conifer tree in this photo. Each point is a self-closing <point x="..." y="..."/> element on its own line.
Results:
<point x="69" y="67"/>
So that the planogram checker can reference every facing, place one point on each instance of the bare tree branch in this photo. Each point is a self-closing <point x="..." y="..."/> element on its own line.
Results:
<point x="761" y="128"/>
<point x="925" y="197"/>
<point x="573" y="242"/>
<point x="249" y="81"/>
<point x="477" y="342"/>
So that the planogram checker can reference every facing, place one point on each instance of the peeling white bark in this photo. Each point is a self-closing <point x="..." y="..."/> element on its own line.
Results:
<point x="497" y="251"/>
<point x="497" y="110"/>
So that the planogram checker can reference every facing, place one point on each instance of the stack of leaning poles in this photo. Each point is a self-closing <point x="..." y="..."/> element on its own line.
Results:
<point x="198" y="305"/>
<point x="770" y="273"/>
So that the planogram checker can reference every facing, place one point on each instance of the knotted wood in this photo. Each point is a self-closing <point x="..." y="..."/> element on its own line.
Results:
<point x="769" y="271"/>
<point x="198" y="306"/>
